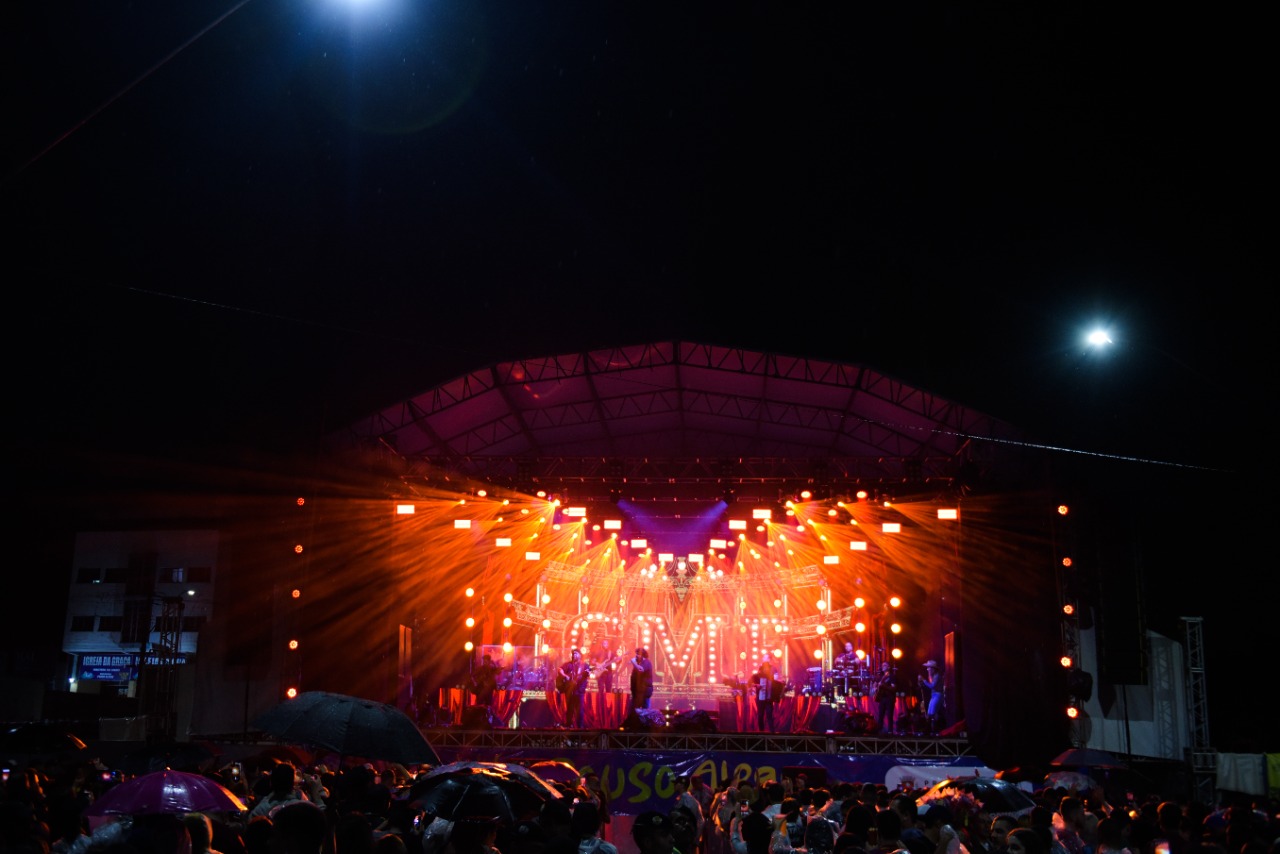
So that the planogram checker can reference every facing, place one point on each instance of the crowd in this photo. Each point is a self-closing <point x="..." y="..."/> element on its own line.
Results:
<point x="363" y="810"/>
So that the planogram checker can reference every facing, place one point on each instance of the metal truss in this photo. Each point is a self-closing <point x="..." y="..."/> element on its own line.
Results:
<point x="1203" y="759"/>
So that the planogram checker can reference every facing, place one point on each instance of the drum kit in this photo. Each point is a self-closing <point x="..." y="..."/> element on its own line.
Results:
<point x="840" y="684"/>
<point x="516" y="679"/>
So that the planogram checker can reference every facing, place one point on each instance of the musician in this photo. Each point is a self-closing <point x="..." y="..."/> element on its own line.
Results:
<point x="641" y="679"/>
<point x="574" y="674"/>
<point x="847" y="660"/>
<point x="931" y="685"/>
<point x="845" y="667"/>
<point x="765" y="681"/>
<point x="605" y="664"/>
<point x="885" y="693"/>
<point x="484" y="680"/>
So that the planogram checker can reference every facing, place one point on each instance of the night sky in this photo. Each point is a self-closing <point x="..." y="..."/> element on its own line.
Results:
<point x="232" y="228"/>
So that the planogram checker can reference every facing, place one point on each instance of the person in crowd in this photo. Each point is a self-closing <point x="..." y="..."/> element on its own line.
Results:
<point x="858" y="821"/>
<point x="888" y="832"/>
<point x="1112" y="833"/>
<point x="885" y="694"/>
<point x="998" y="835"/>
<point x="585" y="825"/>
<point x="641" y="679"/>
<point x="1170" y="827"/>
<point x="939" y="826"/>
<point x="931" y="685"/>
<point x="704" y="795"/>
<point x="652" y="833"/>
<point x="724" y="809"/>
<point x="757" y="827"/>
<point x="597" y="793"/>
<point x="685" y="798"/>
<point x="1069" y="826"/>
<point x="257" y="835"/>
<point x="66" y="822"/>
<point x="794" y="821"/>
<point x="843" y="794"/>
<point x="300" y="827"/>
<point x="684" y="828"/>
<point x="1040" y="819"/>
<point x="285" y="786"/>
<point x="474" y="835"/>
<point x="200" y="828"/>
<point x="353" y="833"/>
<point x="574" y="675"/>
<point x="1024" y="840"/>
<point x="820" y="832"/>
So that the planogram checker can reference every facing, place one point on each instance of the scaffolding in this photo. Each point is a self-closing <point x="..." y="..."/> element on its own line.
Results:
<point x="162" y="666"/>
<point x="1201" y="756"/>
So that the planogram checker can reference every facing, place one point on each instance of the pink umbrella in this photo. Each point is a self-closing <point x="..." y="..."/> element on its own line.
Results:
<point x="171" y="792"/>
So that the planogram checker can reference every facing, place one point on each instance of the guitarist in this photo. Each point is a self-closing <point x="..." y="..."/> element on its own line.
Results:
<point x="573" y="676"/>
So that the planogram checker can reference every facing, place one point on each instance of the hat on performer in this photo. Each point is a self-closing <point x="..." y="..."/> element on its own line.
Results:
<point x="931" y="664"/>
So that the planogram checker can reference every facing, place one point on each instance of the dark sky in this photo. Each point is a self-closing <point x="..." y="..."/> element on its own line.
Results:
<point x="246" y="225"/>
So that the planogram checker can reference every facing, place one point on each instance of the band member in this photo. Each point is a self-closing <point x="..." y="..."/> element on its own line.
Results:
<point x="573" y="679"/>
<point x="606" y="663"/>
<point x="845" y="669"/>
<point x="484" y="680"/>
<point x="931" y="685"/>
<point x="847" y="660"/>
<point x="765" y="682"/>
<point x="885" y="694"/>
<point x="641" y="679"/>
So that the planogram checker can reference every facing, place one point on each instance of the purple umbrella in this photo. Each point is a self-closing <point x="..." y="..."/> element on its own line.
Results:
<point x="166" y="792"/>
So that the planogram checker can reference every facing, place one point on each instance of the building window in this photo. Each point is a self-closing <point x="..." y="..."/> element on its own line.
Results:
<point x="200" y="574"/>
<point x="110" y="624"/>
<point x="193" y="624"/>
<point x="82" y="624"/>
<point x="116" y="574"/>
<point x="88" y="575"/>
<point x="173" y="575"/>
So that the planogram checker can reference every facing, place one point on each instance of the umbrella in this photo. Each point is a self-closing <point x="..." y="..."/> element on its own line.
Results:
<point x="1087" y="757"/>
<point x="557" y="771"/>
<point x="454" y="796"/>
<point x="349" y="726"/>
<point x="522" y="793"/>
<point x="38" y="741"/>
<point x="995" y="796"/>
<point x="177" y="755"/>
<point x="1072" y="780"/>
<point x="166" y="792"/>
<point x="532" y="781"/>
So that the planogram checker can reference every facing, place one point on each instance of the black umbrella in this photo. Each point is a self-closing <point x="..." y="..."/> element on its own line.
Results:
<point x="510" y="794"/>
<point x="455" y="796"/>
<point x="349" y="726"/>
<point x="995" y="796"/>
<point x="39" y="741"/>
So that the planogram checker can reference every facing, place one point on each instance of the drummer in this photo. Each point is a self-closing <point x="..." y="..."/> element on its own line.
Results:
<point x="846" y="669"/>
<point x="847" y="660"/>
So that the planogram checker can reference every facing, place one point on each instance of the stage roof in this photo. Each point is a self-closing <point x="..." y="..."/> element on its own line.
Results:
<point x="677" y="413"/>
